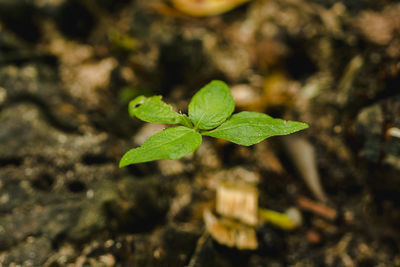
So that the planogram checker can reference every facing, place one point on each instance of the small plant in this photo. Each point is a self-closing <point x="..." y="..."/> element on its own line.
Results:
<point x="210" y="113"/>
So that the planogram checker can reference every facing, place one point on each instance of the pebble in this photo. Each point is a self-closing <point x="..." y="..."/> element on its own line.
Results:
<point x="3" y="95"/>
<point x="108" y="260"/>
<point x="294" y="214"/>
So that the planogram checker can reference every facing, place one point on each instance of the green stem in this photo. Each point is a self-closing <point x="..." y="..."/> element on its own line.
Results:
<point x="202" y="132"/>
<point x="278" y="219"/>
<point x="186" y="121"/>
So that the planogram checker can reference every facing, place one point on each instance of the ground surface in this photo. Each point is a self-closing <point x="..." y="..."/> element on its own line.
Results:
<point x="68" y="68"/>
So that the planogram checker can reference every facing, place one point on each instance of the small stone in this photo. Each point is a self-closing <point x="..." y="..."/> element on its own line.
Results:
<point x="108" y="260"/>
<point x="4" y="198"/>
<point x="313" y="237"/>
<point x="171" y="167"/>
<point x="148" y="130"/>
<point x="109" y="243"/>
<point x="3" y="95"/>
<point x="207" y="156"/>
<point x="244" y="95"/>
<point x="294" y="214"/>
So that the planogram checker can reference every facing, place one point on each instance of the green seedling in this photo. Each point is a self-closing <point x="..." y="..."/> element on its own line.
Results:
<point x="210" y="114"/>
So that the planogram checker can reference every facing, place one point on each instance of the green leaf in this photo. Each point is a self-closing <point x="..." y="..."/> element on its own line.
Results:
<point x="249" y="128"/>
<point x="211" y="106"/>
<point x="171" y="143"/>
<point x="153" y="109"/>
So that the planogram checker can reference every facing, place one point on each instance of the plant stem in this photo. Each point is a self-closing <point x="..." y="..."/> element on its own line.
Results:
<point x="186" y="122"/>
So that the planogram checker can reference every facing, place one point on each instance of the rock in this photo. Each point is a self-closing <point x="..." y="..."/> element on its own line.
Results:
<point x="171" y="167"/>
<point x="244" y="95"/>
<point x="207" y="156"/>
<point x="87" y="82"/>
<point x="148" y="130"/>
<point x="379" y="27"/>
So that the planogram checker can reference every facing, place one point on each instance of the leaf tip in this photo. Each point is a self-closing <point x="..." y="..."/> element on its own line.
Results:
<point x="217" y="81"/>
<point x="133" y="105"/>
<point x="305" y="125"/>
<point x="299" y="125"/>
<point x="124" y="161"/>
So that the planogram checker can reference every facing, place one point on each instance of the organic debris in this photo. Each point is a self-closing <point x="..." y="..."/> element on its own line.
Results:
<point x="286" y="221"/>
<point x="303" y="156"/>
<point x="317" y="208"/>
<point x="230" y="233"/>
<point x="205" y="8"/>
<point x="238" y="201"/>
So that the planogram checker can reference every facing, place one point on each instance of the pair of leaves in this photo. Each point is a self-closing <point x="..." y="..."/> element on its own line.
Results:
<point x="209" y="107"/>
<point x="210" y="113"/>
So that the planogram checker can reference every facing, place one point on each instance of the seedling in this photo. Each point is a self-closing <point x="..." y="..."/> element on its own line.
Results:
<point x="210" y="114"/>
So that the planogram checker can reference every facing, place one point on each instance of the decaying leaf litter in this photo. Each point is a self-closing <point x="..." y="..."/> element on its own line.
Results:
<point x="64" y="90"/>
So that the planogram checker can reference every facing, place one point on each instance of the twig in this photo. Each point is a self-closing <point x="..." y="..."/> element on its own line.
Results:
<point x="199" y="246"/>
<point x="317" y="208"/>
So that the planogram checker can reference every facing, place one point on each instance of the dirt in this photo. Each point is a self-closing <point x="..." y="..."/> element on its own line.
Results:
<point x="69" y="68"/>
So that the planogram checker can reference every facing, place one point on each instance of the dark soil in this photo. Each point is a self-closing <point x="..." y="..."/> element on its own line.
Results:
<point x="69" y="68"/>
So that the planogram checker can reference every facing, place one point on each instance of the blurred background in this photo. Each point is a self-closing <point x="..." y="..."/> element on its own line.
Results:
<point x="68" y="69"/>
